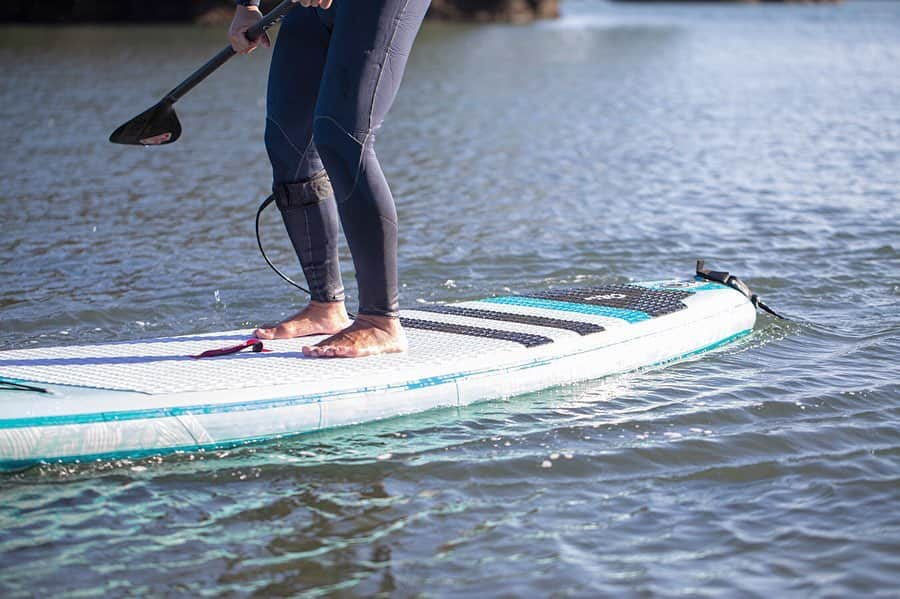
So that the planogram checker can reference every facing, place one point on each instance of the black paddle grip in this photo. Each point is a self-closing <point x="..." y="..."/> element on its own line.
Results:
<point x="264" y="24"/>
<point x="268" y="21"/>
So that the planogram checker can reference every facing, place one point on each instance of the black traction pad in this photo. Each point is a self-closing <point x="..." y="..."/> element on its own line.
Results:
<point x="654" y="302"/>
<point x="582" y="328"/>
<point x="525" y="339"/>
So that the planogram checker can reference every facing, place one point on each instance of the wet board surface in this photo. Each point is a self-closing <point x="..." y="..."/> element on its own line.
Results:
<point x="148" y="396"/>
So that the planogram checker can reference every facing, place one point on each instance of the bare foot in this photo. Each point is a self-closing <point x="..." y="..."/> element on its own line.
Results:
<point x="318" y="318"/>
<point x="367" y="336"/>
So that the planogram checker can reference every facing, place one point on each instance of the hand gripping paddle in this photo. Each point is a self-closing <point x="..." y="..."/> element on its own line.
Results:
<point x="159" y="125"/>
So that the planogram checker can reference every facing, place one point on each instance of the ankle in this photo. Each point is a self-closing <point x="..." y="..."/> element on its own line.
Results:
<point x="388" y="324"/>
<point x="333" y="310"/>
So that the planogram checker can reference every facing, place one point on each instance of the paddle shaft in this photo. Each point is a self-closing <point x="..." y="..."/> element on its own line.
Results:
<point x="226" y="53"/>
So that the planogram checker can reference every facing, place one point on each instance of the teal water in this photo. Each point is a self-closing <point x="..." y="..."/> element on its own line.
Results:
<point x="619" y="143"/>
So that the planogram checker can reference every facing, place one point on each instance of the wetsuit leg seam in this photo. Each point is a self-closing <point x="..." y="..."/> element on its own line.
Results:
<point x="369" y="129"/>
<point x="387" y="220"/>
<point x="369" y="125"/>
<point x="314" y="284"/>
<point x="387" y="51"/>
<point x="339" y="126"/>
<point x="284" y="134"/>
<point x="362" y="149"/>
<point x="302" y="159"/>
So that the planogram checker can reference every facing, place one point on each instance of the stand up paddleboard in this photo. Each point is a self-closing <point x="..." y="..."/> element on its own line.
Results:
<point x="146" y="397"/>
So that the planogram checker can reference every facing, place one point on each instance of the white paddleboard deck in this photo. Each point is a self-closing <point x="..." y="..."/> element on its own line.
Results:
<point x="138" y="397"/>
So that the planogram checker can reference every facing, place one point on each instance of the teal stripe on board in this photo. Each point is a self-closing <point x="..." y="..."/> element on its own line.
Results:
<point x="675" y="286"/>
<point x="534" y="302"/>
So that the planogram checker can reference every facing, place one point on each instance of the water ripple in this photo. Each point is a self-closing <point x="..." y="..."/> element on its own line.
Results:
<point x="617" y="144"/>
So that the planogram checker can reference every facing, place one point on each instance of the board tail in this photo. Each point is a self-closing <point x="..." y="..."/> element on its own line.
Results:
<point x="732" y="281"/>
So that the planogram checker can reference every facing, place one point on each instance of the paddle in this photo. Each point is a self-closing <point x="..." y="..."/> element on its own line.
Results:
<point x="159" y="125"/>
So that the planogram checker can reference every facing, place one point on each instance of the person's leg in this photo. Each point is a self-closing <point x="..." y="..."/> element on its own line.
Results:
<point x="301" y="188"/>
<point x="369" y="48"/>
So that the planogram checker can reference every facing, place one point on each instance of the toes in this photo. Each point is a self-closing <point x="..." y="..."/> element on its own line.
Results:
<point x="344" y="352"/>
<point x="327" y="351"/>
<point x="312" y="351"/>
<point x="317" y="351"/>
<point x="263" y="333"/>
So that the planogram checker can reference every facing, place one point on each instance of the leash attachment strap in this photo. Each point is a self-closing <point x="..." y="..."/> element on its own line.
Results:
<point x="254" y="344"/>
<point x="735" y="283"/>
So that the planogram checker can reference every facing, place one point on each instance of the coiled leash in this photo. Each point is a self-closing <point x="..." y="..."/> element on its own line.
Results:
<point x="262" y="207"/>
<point x="265" y="204"/>
<point x="735" y="283"/>
<point x="253" y="344"/>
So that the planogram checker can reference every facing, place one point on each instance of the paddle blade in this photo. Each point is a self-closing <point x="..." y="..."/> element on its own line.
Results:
<point x="154" y="127"/>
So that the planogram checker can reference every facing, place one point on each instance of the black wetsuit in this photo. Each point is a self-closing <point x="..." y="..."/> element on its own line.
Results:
<point x="333" y="78"/>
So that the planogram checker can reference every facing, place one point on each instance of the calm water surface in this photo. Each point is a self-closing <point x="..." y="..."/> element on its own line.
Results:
<point x="618" y="143"/>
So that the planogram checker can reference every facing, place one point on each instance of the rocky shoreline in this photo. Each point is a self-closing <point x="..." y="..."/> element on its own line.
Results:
<point x="220" y="11"/>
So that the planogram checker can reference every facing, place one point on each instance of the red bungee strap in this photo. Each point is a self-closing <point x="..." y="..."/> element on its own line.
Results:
<point x="255" y="345"/>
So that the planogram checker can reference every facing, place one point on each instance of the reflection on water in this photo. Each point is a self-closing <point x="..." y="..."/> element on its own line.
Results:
<point x="618" y="143"/>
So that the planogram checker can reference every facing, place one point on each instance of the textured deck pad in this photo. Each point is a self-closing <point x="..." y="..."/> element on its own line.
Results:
<point x="440" y="336"/>
<point x="163" y="366"/>
<point x="526" y="339"/>
<point x="582" y="328"/>
<point x="654" y="302"/>
<point x="628" y="302"/>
